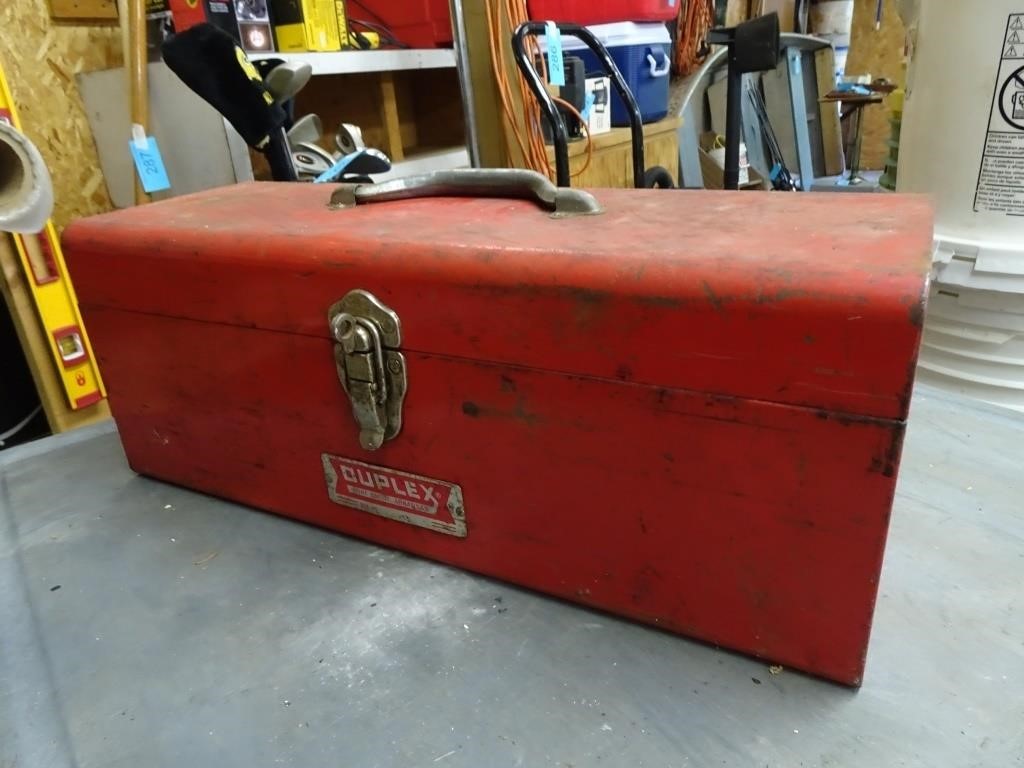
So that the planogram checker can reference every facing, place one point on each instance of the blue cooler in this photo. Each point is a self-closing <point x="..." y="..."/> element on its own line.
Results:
<point x="642" y="53"/>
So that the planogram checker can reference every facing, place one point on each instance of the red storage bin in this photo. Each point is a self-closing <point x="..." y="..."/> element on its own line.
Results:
<point x="603" y="11"/>
<point x="417" y="23"/>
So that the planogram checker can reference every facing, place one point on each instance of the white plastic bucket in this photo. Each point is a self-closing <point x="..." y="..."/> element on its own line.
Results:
<point x="962" y="142"/>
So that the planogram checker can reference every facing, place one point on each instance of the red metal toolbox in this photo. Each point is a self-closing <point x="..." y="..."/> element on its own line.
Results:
<point x="686" y="409"/>
<point x="416" y="23"/>
<point x="603" y="11"/>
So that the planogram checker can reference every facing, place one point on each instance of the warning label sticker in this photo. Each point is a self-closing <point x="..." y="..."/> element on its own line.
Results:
<point x="1000" y="186"/>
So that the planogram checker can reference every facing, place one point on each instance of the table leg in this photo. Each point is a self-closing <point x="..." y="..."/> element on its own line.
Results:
<point x="853" y="177"/>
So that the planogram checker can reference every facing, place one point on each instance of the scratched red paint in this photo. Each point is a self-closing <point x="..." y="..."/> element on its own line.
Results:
<point x="687" y="410"/>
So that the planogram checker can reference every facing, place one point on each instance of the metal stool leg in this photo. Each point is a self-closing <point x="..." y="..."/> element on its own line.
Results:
<point x="854" y="178"/>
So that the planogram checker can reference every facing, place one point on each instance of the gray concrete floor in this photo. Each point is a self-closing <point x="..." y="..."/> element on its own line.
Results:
<point x="145" y="625"/>
<point x="830" y="183"/>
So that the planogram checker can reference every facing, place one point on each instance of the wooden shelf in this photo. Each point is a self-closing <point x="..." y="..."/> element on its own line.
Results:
<point x="387" y="60"/>
<point x="400" y="113"/>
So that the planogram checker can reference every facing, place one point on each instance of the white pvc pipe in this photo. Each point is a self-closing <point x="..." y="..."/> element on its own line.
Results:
<point x="26" y="192"/>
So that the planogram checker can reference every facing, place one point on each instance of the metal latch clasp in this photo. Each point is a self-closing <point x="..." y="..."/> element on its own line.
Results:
<point x="370" y="367"/>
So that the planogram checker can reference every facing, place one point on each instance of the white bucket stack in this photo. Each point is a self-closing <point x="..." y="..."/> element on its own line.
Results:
<point x="962" y="142"/>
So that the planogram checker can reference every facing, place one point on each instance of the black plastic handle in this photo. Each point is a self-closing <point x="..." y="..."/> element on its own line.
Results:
<point x="558" y="132"/>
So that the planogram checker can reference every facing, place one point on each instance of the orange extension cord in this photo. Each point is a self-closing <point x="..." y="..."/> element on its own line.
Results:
<point x="696" y="17"/>
<point x="525" y="127"/>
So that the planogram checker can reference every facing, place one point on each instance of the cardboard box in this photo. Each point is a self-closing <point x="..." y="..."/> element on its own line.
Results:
<point x="714" y="173"/>
<point x="306" y="25"/>
<point x="785" y="8"/>
<point x="598" y="108"/>
<point x="714" y="177"/>
<point x="188" y="13"/>
<point x="343" y="31"/>
<point x="254" y="26"/>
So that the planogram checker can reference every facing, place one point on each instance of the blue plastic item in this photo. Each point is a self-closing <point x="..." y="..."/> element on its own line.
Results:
<point x="643" y="54"/>
<point x="334" y="172"/>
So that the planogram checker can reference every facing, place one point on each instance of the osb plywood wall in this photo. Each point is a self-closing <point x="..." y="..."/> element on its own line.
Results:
<point x="880" y="54"/>
<point x="40" y="58"/>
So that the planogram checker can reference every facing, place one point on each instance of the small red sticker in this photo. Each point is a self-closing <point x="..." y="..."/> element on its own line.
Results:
<point x="401" y="496"/>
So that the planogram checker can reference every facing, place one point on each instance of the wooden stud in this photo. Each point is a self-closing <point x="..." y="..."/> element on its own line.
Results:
<point x="389" y="117"/>
<point x="736" y="11"/>
<point x="407" y="117"/>
<point x="138" y="75"/>
<point x="84" y="10"/>
<point x="487" y="102"/>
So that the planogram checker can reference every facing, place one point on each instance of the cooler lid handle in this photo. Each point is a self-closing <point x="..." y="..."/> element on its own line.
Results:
<point x="473" y="182"/>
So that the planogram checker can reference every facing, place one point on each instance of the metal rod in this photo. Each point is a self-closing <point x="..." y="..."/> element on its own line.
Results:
<point x="554" y="116"/>
<point x="279" y="157"/>
<point x="798" y="102"/>
<point x="559" y="135"/>
<point x="636" y="123"/>
<point x="461" y="46"/>
<point x="766" y="125"/>
<point x="854" y="175"/>
<point x="731" y="172"/>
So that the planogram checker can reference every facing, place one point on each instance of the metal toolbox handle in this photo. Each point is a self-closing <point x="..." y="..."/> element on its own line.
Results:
<point x="473" y="182"/>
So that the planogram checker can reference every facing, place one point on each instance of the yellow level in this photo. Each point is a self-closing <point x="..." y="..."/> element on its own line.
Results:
<point x="47" y="277"/>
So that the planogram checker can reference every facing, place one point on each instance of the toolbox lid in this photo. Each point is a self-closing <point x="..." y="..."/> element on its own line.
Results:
<point x="810" y="300"/>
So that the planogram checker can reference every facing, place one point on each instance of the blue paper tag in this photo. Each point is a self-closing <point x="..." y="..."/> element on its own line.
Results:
<point x="150" y="166"/>
<point x="556" y="67"/>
